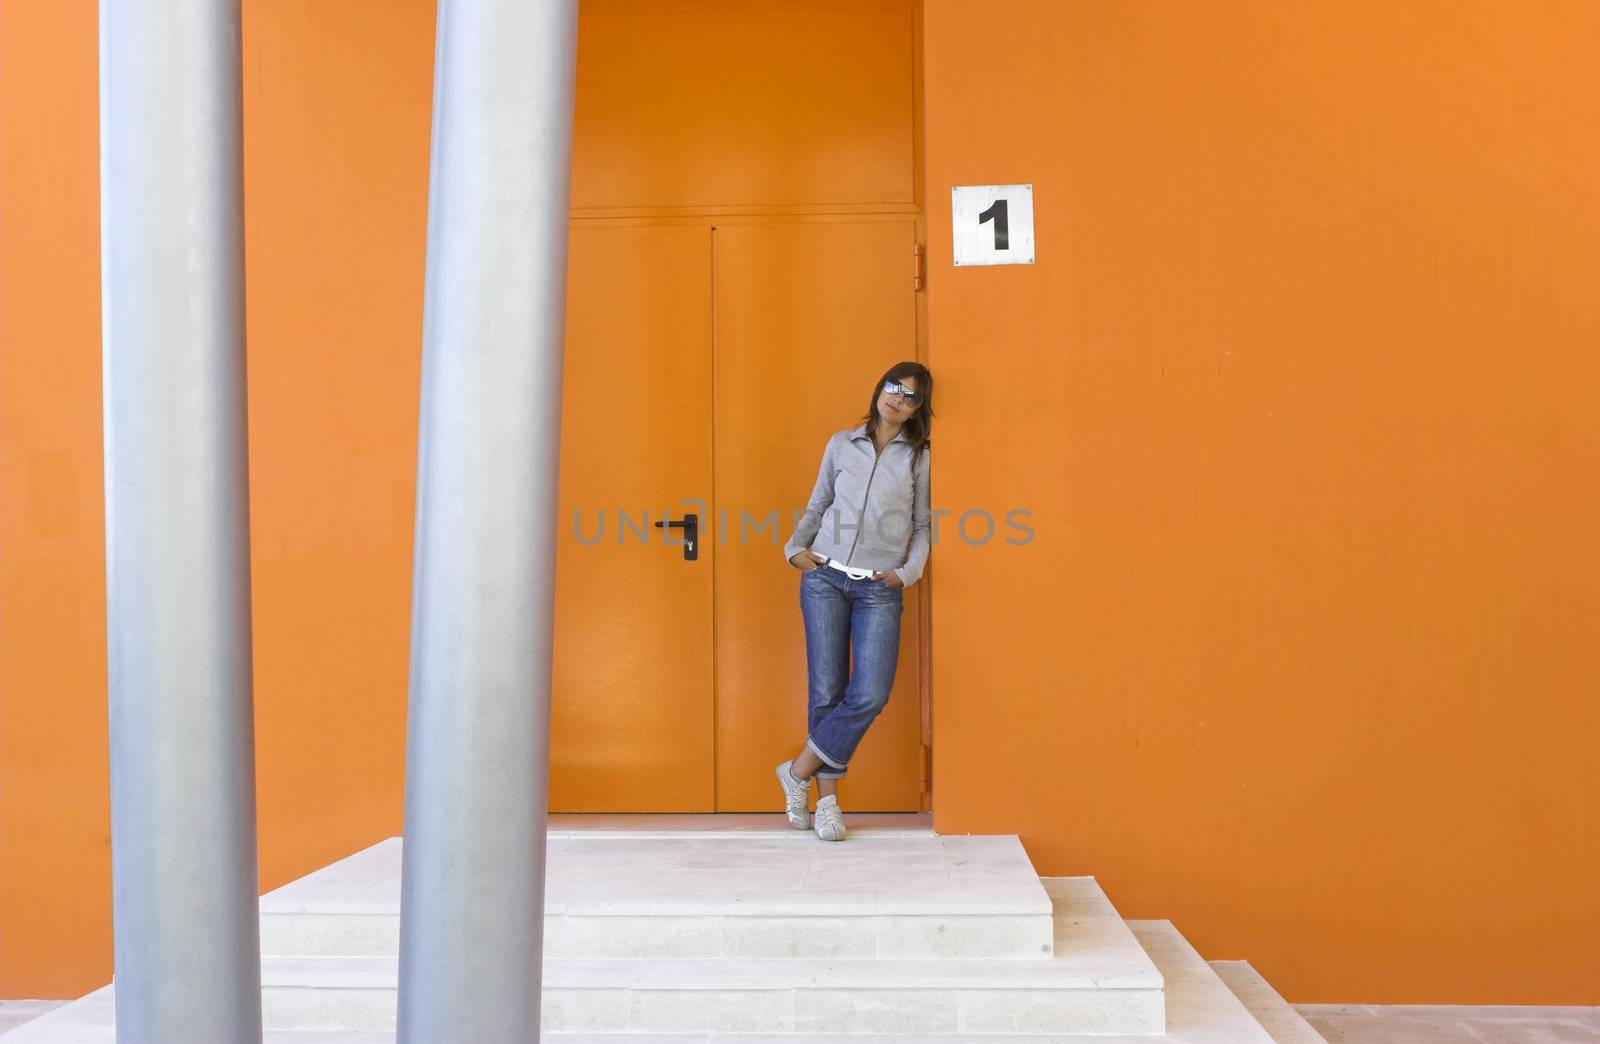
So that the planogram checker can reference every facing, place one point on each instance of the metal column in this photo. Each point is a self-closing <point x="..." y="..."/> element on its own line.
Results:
<point x="483" y="593"/>
<point x="183" y="841"/>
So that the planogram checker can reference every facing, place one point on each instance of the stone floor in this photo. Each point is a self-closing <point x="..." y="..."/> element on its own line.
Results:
<point x="14" y="1013"/>
<point x="1451" y="1024"/>
<point x="1340" y="1023"/>
<point x="691" y="824"/>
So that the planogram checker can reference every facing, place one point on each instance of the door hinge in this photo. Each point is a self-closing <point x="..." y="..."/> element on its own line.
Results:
<point x="919" y="268"/>
<point x="927" y="768"/>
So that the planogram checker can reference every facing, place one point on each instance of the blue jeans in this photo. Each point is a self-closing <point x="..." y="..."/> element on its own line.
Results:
<point x="845" y="617"/>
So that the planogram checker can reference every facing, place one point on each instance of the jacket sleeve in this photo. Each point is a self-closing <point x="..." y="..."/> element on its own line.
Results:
<point x="805" y="531"/>
<point x="921" y="540"/>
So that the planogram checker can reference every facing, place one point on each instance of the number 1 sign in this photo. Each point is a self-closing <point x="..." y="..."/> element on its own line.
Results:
<point x="993" y="224"/>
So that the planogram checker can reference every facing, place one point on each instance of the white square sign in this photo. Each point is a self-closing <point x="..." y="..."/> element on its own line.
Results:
<point x="993" y="224"/>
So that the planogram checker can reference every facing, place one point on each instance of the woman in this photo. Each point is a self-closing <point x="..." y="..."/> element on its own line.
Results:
<point x="862" y="540"/>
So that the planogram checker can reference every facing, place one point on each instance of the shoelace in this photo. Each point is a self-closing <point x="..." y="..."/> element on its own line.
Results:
<point x="798" y="795"/>
<point x="829" y="816"/>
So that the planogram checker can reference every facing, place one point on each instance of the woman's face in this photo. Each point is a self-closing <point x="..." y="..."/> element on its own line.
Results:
<point x="893" y="407"/>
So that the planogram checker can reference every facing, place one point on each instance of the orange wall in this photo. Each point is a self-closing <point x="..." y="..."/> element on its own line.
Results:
<point x="1302" y="393"/>
<point x="55" y="823"/>
<point x="1303" y="647"/>
<point x="337" y="102"/>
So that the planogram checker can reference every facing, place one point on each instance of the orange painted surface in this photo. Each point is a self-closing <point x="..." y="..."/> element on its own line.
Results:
<point x="336" y="116"/>
<point x="337" y="102"/>
<point x="679" y="683"/>
<point x="765" y="103"/>
<point x="55" y="810"/>
<point x="632" y="710"/>
<point x="808" y="317"/>
<point x="1302" y="396"/>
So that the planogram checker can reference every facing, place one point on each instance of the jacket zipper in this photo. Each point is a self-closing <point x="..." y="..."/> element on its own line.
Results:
<point x="863" y="516"/>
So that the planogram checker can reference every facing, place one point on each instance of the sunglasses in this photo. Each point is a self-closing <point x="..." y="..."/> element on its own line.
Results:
<point x="892" y="388"/>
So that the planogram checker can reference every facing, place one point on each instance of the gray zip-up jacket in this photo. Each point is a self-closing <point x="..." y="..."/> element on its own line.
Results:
<point x="868" y="509"/>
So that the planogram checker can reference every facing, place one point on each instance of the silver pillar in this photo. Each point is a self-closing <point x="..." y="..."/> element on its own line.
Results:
<point x="483" y="594"/>
<point x="183" y="841"/>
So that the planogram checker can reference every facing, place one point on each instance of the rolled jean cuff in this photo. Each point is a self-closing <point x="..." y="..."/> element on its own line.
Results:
<point x="829" y="762"/>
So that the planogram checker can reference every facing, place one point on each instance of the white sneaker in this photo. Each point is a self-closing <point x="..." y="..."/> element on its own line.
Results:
<point x="830" y="821"/>
<point x="796" y="795"/>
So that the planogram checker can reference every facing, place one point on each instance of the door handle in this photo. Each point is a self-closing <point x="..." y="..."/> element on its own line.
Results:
<point x="690" y="524"/>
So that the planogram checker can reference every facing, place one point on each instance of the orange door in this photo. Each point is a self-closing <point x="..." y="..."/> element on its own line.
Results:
<point x="631" y="716"/>
<point x="704" y="371"/>
<point x="808" y="316"/>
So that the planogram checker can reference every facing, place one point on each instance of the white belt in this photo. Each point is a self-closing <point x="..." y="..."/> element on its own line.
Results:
<point x="853" y="572"/>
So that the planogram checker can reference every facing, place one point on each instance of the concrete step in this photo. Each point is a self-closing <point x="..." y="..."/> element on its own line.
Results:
<point x="1276" y="1015"/>
<point x="1201" y="1009"/>
<point x="752" y="895"/>
<point x="1103" y="979"/>
<point x="1097" y="981"/>
<point x="91" y="1019"/>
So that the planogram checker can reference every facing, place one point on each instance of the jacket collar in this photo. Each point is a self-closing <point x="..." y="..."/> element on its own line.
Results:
<point x="861" y="433"/>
